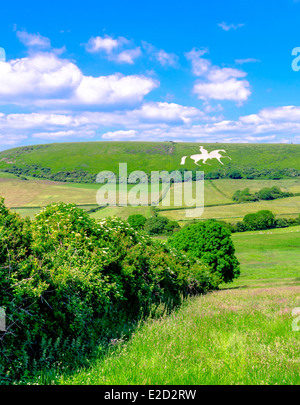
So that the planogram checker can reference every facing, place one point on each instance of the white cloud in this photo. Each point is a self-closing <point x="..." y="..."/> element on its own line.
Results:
<point x="231" y="89"/>
<point x="33" y="40"/>
<point x="106" y="44"/>
<point x="41" y="76"/>
<point x="127" y="56"/>
<point x="166" y="59"/>
<point x="154" y="121"/>
<point x="64" y="134"/>
<point x="112" y="48"/>
<point x="219" y="83"/>
<point x="216" y="74"/>
<point x="200" y="66"/>
<point x="167" y="112"/>
<point x="114" y="89"/>
<point x="163" y="57"/>
<point x="228" y="27"/>
<point x="46" y="80"/>
<point x="120" y="135"/>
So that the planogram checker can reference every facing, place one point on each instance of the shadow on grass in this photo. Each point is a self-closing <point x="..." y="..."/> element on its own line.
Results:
<point x="108" y="345"/>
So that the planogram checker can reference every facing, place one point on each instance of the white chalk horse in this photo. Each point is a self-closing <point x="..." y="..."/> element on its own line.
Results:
<point x="204" y="156"/>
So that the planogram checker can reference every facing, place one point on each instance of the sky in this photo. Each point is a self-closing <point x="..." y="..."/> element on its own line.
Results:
<point x="186" y="71"/>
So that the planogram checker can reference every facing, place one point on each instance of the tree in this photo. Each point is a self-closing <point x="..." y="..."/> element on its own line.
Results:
<point x="156" y="225"/>
<point x="137" y="221"/>
<point x="234" y="174"/>
<point x="209" y="241"/>
<point x="263" y="219"/>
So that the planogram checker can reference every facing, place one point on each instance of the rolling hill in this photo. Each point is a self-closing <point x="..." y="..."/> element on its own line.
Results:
<point x="86" y="159"/>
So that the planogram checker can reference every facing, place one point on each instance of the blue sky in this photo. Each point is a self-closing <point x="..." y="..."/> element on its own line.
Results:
<point x="193" y="71"/>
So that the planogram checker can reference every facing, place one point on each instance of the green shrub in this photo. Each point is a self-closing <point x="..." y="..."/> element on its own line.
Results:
<point x="281" y="223"/>
<point x="266" y="193"/>
<point x="272" y="193"/>
<point x="263" y="219"/>
<point x="137" y="221"/>
<point x="244" y="195"/>
<point x="172" y="226"/>
<point x="209" y="241"/>
<point x="69" y="284"/>
<point x="156" y="225"/>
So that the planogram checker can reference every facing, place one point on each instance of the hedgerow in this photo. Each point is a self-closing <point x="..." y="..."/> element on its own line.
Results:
<point x="69" y="285"/>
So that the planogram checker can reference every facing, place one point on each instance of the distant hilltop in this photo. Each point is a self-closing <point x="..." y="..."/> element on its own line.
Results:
<point x="82" y="161"/>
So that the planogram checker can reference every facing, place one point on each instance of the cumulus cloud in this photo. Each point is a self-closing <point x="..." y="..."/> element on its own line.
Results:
<point x="113" y="90"/>
<point x="46" y="80"/>
<point x="105" y="43"/>
<point x="200" y="66"/>
<point x="41" y="76"/>
<point x="56" y="125"/>
<point x="167" y="112"/>
<point x="231" y="89"/>
<point x="217" y="83"/>
<point x="153" y="121"/>
<point x="112" y="49"/>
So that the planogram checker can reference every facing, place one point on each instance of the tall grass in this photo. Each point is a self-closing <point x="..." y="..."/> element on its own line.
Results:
<point x="241" y="334"/>
<point x="228" y="337"/>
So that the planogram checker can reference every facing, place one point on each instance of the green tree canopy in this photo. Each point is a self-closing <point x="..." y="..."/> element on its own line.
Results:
<point x="211" y="242"/>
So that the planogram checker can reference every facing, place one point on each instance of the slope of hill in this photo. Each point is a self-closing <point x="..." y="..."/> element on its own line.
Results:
<point x="86" y="159"/>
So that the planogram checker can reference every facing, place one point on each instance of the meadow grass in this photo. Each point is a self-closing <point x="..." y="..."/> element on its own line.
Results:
<point x="32" y="193"/>
<point x="6" y="175"/>
<point x="270" y="256"/>
<point x="230" y="186"/>
<point x="226" y="337"/>
<point x="241" y="334"/>
<point x="289" y="207"/>
<point x="94" y="157"/>
<point x="217" y="197"/>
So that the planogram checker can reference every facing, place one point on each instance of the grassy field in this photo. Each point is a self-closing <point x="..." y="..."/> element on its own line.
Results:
<point x="268" y="257"/>
<point x="32" y="193"/>
<point x="241" y="334"/>
<point x="220" y="192"/>
<point x="287" y="207"/>
<point x="27" y="196"/>
<point x="93" y="157"/>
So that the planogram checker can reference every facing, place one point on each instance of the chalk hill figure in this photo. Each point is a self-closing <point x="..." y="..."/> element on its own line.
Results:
<point x="204" y="156"/>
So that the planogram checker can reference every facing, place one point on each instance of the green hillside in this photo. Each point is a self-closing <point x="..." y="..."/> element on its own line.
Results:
<point x="88" y="158"/>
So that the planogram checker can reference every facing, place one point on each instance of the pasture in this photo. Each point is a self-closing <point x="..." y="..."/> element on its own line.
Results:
<point x="26" y="196"/>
